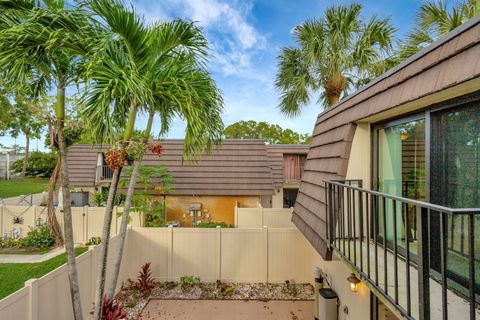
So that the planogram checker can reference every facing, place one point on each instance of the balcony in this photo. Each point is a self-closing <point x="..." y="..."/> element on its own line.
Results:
<point x="104" y="173"/>
<point x="417" y="256"/>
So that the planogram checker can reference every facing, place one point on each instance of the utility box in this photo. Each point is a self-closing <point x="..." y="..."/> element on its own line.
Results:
<point x="327" y="304"/>
<point x="79" y="198"/>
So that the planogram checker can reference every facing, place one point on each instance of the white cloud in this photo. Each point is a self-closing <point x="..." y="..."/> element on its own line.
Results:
<point x="234" y="41"/>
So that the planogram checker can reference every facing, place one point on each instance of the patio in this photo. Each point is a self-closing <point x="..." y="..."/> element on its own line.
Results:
<point x="232" y="309"/>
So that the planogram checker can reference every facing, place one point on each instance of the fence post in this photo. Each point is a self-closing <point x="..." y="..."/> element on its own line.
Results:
<point x="265" y="237"/>
<point x="1" y="220"/>
<point x="423" y="264"/>
<point x="236" y="215"/>
<point x="218" y="243"/>
<point x="32" y="285"/>
<point x="85" y="208"/>
<point x="93" y="269"/>
<point x="170" y="254"/>
<point x="263" y="218"/>
<point x="34" y="216"/>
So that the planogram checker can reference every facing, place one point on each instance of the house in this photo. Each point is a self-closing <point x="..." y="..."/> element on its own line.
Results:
<point x="244" y="173"/>
<point x="391" y="187"/>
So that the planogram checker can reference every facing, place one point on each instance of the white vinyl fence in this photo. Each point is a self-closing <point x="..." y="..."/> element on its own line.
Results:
<point x="237" y="255"/>
<point x="263" y="217"/>
<point x="48" y="297"/>
<point x="87" y="221"/>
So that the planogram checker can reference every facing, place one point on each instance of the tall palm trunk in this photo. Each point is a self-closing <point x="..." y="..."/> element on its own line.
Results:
<point x="107" y="221"/>
<point x="25" y="159"/>
<point x="125" y="215"/>
<point x="67" y="209"/>
<point x="52" y="217"/>
<point x="334" y="87"/>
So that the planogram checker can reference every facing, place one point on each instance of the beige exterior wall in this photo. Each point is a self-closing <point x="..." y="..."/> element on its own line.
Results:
<point x="277" y="198"/>
<point x="220" y="208"/>
<point x="359" y="164"/>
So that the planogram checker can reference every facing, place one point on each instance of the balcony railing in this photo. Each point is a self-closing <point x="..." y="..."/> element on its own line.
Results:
<point x="417" y="273"/>
<point x="104" y="173"/>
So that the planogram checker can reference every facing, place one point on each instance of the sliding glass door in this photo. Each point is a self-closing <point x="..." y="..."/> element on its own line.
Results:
<point x="401" y="172"/>
<point x="455" y="183"/>
<point x="433" y="157"/>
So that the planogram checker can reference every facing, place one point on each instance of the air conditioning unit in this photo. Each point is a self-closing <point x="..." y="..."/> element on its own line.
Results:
<point x="79" y="198"/>
<point x="327" y="304"/>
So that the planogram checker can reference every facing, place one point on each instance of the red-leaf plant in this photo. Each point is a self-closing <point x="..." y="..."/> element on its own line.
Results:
<point x="112" y="310"/>
<point x="115" y="157"/>
<point x="145" y="282"/>
<point x="155" y="148"/>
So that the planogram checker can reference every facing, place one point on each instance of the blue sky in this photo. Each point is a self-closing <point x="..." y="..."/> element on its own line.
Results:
<point x="245" y="38"/>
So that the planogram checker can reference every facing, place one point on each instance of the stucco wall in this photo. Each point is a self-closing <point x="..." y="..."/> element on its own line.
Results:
<point x="220" y="208"/>
<point x="359" y="166"/>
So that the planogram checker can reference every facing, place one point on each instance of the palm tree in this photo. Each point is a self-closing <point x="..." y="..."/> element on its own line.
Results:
<point x="33" y="39"/>
<point x="334" y="52"/>
<point x="435" y="19"/>
<point x="138" y="69"/>
<point x="180" y="89"/>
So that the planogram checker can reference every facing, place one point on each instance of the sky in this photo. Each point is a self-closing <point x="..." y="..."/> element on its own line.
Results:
<point x="245" y="38"/>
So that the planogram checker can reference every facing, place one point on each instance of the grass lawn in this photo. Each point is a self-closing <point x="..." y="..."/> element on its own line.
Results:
<point x="17" y="187"/>
<point x="14" y="275"/>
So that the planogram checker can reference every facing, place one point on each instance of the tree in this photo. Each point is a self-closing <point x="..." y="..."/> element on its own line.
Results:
<point x="25" y="117"/>
<point x="435" y="19"/>
<point x="36" y="50"/>
<point x="155" y="68"/>
<point x="333" y="52"/>
<point x="272" y="133"/>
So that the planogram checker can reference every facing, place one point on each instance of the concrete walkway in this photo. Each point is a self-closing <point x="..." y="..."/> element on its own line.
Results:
<point x="26" y="200"/>
<point x="30" y="258"/>
<point x="228" y="309"/>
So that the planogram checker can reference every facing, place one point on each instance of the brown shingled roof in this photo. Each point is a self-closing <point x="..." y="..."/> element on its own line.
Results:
<point x="450" y="61"/>
<point x="236" y="167"/>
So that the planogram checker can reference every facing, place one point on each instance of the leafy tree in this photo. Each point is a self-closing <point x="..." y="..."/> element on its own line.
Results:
<point x="435" y="19"/>
<point x="333" y="52"/>
<point x="24" y="117"/>
<point x="154" y="68"/>
<point x="39" y="46"/>
<point x="39" y="164"/>
<point x="145" y="201"/>
<point x="272" y="133"/>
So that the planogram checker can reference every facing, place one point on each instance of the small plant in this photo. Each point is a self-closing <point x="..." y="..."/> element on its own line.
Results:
<point x="115" y="158"/>
<point x="290" y="287"/>
<point x="93" y="241"/>
<point x="188" y="282"/>
<point x="112" y="310"/>
<point x="214" y="225"/>
<point x="225" y="289"/>
<point x="40" y="237"/>
<point x="134" y="151"/>
<point x="145" y="282"/>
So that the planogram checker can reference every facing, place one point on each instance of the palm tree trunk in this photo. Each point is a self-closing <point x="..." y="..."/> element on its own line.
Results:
<point x="107" y="221"/>
<point x="125" y="215"/>
<point x="52" y="217"/>
<point x="25" y="159"/>
<point x="67" y="210"/>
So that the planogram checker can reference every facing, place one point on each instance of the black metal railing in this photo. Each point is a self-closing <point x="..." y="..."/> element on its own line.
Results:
<point x="104" y="173"/>
<point x="373" y="232"/>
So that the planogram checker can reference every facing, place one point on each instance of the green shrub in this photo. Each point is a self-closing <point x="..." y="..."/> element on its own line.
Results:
<point x="214" y="225"/>
<point x="188" y="282"/>
<point x="39" y="164"/>
<point x="9" y="243"/>
<point x="40" y="237"/>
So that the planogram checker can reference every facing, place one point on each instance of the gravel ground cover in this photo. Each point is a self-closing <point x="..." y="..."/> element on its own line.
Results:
<point x="134" y="301"/>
